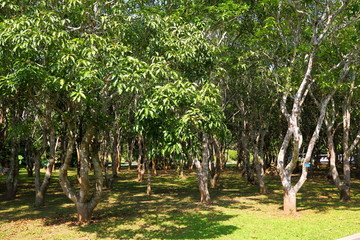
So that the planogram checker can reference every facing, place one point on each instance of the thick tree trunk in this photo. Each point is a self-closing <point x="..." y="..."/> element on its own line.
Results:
<point x="290" y="201"/>
<point x="345" y="193"/>
<point x="86" y="200"/>
<point x="84" y="211"/>
<point x="154" y="167"/>
<point x="203" y="171"/>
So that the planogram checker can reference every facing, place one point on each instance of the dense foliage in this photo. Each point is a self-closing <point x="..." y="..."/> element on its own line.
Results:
<point x="175" y="84"/>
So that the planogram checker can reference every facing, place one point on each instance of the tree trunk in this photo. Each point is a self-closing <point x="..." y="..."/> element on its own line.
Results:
<point x="217" y="166"/>
<point x="119" y="154"/>
<point x="345" y="193"/>
<point x="84" y="211"/>
<point x="12" y="178"/>
<point x="27" y="157"/>
<point x="40" y="190"/>
<point x="130" y="153"/>
<point x="85" y="201"/>
<point x="154" y="167"/>
<point x="114" y="158"/>
<point x="259" y="161"/>
<point x="290" y="201"/>
<point x="141" y="166"/>
<point x="148" y="185"/>
<point x="203" y="171"/>
<point x="3" y="126"/>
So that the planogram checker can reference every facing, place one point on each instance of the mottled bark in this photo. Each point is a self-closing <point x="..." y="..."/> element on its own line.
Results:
<point x="290" y="201"/>
<point x="84" y="200"/>
<point x="203" y="171"/>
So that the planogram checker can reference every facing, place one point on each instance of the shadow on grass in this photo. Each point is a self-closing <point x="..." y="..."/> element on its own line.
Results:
<point x="174" y="226"/>
<point x="172" y="212"/>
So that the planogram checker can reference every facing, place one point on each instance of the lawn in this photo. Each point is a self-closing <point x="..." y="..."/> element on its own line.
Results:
<point x="173" y="211"/>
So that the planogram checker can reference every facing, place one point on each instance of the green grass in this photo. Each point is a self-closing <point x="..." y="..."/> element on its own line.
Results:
<point x="173" y="211"/>
<point x="232" y="156"/>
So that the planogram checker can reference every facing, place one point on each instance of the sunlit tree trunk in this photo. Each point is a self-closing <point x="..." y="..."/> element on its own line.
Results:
<point x="203" y="171"/>
<point x="85" y="200"/>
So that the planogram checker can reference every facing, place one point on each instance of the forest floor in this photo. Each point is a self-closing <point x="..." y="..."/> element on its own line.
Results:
<point x="173" y="211"/>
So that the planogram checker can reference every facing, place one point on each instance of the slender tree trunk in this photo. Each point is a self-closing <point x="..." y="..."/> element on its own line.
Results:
<point x="259" y="162"/>
<point x="141" y="165"/>
<point x="218" y="165"/>
<point x="12" y="178"/>
<point x="3" y="126"/>
<point x="119" y="154"/>
<point x="40" y="190"/>
<point x="130" y="152"/>
<point x="114" y="155"/>
<point x="344" y="190"/>
<point x="39" y="194"/>
<point x="28" y="159"/>
<point x="148" y="185"/>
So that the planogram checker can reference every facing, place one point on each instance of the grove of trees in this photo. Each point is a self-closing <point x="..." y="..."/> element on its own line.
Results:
<point x="89" y="84"/>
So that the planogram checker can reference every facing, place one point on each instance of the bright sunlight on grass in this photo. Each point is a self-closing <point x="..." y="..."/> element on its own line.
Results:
<point x="173" y="211"/>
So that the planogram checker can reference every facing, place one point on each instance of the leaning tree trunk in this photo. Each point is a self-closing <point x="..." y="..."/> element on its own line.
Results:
<point x="340" y="184"/>
<point x="290" y="191"/>
<point x="40" y="189"/>
<point x="203" y="171"/>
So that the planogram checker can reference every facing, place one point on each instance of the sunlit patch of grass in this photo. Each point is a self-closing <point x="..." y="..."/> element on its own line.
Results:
<point x="174" y="212"/>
